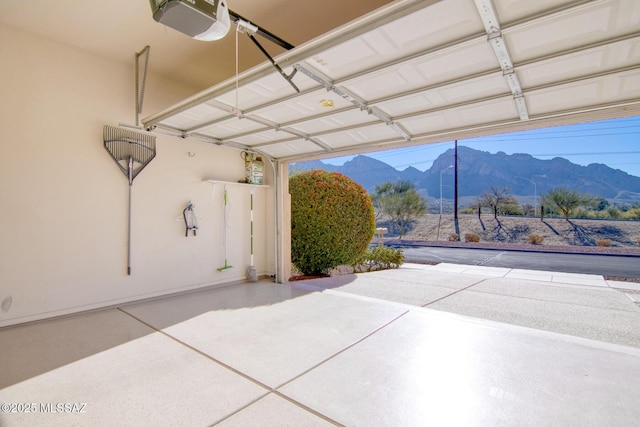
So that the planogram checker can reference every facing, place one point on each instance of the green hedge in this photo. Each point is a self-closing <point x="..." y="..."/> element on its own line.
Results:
<point x="332" y="221"/>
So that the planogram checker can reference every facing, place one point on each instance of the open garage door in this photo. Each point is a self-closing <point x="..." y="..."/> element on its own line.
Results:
<point x="416" y="72"/>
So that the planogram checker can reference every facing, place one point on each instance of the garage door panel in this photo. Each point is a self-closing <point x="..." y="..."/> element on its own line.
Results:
<point x="298" y="147"/>
<point x="568" y="31"/>
<point x="302" y="107"/>
<point x="264" y="137"/>
<point x="194" y="116"/>
<point x="585" y="94"/>
<point x="630" y="85"/>
<point x="435" y="25"/>
<point x="515" y="10"/>
<point x="263" y="90"/>
<point x="462" y="117"/>
<point x="360" y="136"/>
<point x="420" y="31"/>
<point x="560" y="69"/>
<point x="231" y="127"/>
<point x="335" y="121"/>
<point x="480" y="88"/>
<point x="427" y="71"/>
<point x="580" y="64"/>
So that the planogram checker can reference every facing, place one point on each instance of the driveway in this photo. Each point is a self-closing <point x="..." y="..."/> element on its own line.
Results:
<point x="606" y="265"/>
<point x="421" y="345"/>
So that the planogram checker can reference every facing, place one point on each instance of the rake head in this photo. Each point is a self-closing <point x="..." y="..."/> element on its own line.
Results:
<point x="132" y="151"/>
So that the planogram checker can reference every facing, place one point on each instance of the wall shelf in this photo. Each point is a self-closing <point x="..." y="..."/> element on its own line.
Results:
<point x="243" y="184"/>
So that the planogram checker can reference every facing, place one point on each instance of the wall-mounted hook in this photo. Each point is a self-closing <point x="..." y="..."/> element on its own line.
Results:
<point x="189" y="220"/>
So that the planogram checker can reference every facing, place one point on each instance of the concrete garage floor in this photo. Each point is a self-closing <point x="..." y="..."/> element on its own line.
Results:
<point x="443" y="345"/>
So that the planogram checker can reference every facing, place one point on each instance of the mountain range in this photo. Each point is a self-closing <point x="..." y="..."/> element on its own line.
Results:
<point x="478" y="171"/>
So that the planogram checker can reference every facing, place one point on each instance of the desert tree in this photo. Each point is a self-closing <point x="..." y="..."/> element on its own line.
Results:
<point x="566" y="201"/>
<point x="400" y="202"/>
<point x="499" y="201"/>
<point x="528" y="209"/>
<point x="600" y="203"/>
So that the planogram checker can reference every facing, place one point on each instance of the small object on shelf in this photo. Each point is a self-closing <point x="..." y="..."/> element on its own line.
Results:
<point x="253" y="168"/>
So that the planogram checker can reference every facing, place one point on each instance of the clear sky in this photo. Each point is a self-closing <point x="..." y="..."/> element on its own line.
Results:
<point x="615" y="143"/>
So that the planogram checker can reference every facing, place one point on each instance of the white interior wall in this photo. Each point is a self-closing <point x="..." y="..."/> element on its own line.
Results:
<point x="63" y="216"/>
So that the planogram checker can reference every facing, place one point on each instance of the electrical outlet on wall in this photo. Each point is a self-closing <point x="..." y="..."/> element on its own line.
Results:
<point x="6" y="304"/>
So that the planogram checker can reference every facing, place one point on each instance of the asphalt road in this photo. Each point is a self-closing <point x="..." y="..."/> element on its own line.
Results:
<point x="606" y="265"/>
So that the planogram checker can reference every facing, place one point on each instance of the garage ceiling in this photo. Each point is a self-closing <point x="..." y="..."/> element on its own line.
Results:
<point x="116" y="29"/>
<point x="413" y="72"/>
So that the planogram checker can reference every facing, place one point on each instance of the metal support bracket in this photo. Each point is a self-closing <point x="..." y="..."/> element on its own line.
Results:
<point x="140" y="86"/>
<point x="288" y="78"/>
<point x="250" y="29"/>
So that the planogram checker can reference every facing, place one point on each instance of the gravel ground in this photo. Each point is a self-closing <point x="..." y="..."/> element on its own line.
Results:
<point x="576" y="236"/>
<point x="506" y="233"/>
<point x="512" y="233"/>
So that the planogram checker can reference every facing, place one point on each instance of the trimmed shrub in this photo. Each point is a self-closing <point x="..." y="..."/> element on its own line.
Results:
<point x="471" y="237"/>
<point x="535" y="239"/>
<point x="453" y="237"/>
<point x="379" y="258"/>
<point x="332" y="221"/>
<point x="605" y="243"/>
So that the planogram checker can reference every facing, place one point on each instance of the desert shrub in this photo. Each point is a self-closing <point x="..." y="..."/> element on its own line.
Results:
<point x="512" y="209"/>
<point x="379" y="258"/>
<point x="471" y="237"/>
<point x="614" y="212"/>
<point x="633" y="213"/>
<point x="332" y="221"/>
<point x="605" y="243"/>
<point x="581" y="213"/>
<point x="535" y="239"/>
<point x="453" y="237"/>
